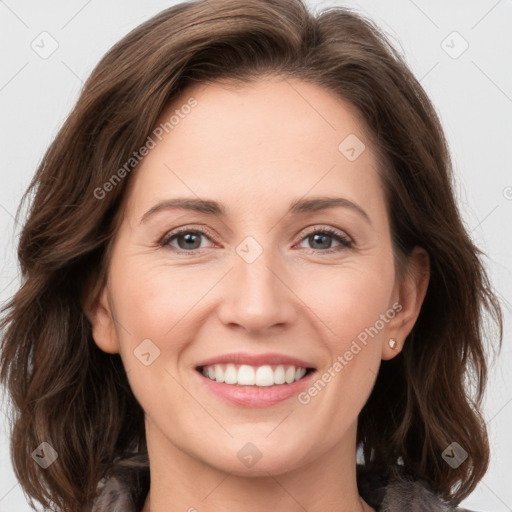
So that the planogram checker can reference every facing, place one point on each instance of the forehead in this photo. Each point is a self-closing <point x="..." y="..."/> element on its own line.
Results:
<point x="271" y="140"/>
<point x="307" y="118"/>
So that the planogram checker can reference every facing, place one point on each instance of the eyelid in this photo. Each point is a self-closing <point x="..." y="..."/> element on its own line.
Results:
<point x="199" y="228"/>
<point x="328" y="229"/>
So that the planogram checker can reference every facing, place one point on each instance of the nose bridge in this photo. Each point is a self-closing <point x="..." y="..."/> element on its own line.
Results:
<point x="256" y="296"/>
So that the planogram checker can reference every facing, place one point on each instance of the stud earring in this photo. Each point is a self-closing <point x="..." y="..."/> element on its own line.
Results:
<point x="393" y="344"/>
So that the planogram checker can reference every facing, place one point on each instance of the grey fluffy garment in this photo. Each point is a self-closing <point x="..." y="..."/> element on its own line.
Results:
<point x="384" y="489"/>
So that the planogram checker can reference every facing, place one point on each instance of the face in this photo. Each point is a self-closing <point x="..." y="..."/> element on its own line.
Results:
<point x="287" y="269"/>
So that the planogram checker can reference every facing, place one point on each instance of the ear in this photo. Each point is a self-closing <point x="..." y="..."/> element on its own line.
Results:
<point x="409" y="293"/>
<point x="99" y="313"/>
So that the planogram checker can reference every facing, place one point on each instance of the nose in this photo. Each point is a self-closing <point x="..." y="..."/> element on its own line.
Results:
<point x="257" y="296"/>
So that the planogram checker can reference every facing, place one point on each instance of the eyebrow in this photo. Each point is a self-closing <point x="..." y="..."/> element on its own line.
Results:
<point x="297" y="206"/>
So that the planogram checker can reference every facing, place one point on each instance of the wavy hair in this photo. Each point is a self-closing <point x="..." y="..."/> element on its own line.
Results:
<point x="65" y="391"/>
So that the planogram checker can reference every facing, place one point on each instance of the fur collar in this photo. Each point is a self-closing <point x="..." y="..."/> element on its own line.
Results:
<point x="384" y="490"/>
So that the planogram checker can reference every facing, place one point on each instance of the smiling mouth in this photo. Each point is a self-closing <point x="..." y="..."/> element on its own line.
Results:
<point x="260" y="376"/>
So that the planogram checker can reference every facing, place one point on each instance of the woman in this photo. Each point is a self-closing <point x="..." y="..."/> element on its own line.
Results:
<point x="333" y="302"/>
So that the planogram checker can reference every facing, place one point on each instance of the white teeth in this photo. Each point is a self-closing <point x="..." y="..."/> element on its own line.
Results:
<point x="264" y="376"/>
<point x="246" y="375"/>
<point x="230" y="376"/>
<point x="299" y="373"/>
<point x="290" y="375"/>
<point x="279" y="377"/>
<point x="219" y="373"/>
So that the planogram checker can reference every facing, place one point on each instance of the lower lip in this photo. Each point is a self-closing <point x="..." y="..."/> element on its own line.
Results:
<point x="255" y="396"/>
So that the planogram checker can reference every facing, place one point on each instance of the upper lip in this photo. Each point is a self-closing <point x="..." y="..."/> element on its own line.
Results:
<point x="255" y="360"/>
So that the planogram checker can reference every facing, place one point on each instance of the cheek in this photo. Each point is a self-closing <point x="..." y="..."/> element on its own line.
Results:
<point x="351" y="331"/>
<point x="162" y="304"/>
<point x="348" y="299"/>
<point x="151" y="300"/>
<point x="152" y="304"/>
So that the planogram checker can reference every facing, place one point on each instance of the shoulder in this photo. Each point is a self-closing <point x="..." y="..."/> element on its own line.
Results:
<point x="113" y="496"/>
<point x="125" y="489"/>
<point x="392" y="490"/>
<point x="385" y="489"/>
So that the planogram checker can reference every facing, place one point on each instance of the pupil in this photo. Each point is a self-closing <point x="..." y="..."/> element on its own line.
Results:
<point x="317" y="236"/>
<point x="189" y="239"/>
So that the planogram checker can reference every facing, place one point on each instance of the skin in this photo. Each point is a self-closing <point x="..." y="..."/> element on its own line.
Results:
<point x="255" y="148"/>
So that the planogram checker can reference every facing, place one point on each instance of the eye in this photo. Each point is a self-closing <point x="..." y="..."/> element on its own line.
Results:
<point x="188" y="240"/>
<point x="321" y="239"/>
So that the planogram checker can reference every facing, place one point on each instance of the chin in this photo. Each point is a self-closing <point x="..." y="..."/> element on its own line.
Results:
<point x="256" y="456"/>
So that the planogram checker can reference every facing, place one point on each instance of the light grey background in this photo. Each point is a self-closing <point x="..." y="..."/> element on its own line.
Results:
<point x="471" y="91"/>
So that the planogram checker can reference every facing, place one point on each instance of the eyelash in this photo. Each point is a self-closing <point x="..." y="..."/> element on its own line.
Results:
<point x="345" y="242"/>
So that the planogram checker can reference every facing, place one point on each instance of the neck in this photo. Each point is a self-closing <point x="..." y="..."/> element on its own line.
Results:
<point x="189" y="484"/>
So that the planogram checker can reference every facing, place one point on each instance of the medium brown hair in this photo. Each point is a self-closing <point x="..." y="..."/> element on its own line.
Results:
<point x="67" y="392"/>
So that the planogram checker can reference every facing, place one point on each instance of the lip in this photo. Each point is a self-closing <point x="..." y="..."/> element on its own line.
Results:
<point x="256" y="360"/>
<point x="254" y="396"/>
